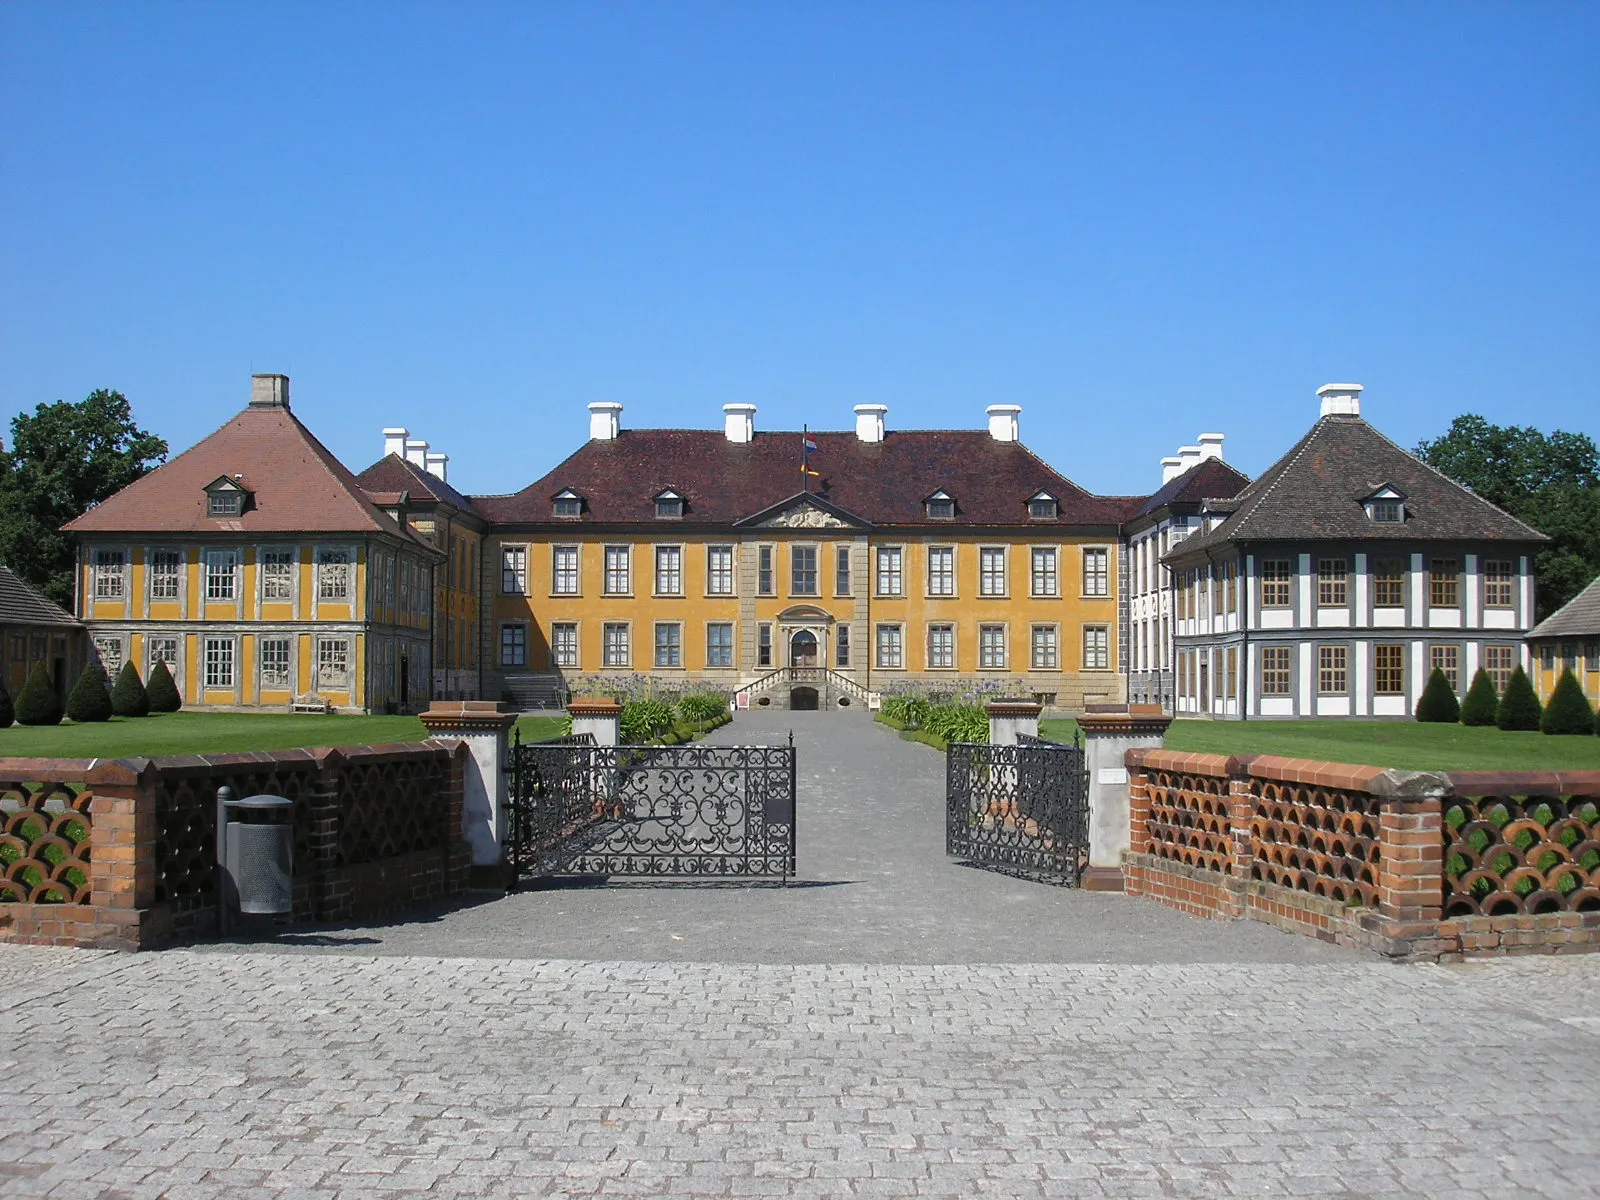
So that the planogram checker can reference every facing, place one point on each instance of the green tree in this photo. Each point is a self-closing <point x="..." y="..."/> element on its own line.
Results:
<point x="1568" y="710"/>
<point x="37" y="702"/>
<point x="1481" y="702"/>
<point x="1519" y="705"/>
<point x="163" y="690"/>
<point x="64" y="459"/>
<point x="1439" y="703"/>
<point x="1550" y="481"/>
<point x="89" y="700"/>
<point x="128" y="697"/>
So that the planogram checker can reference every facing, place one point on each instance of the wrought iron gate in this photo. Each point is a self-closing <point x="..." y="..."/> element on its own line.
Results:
<point x="688" y="812"/>
<point x="1021" y="810"/>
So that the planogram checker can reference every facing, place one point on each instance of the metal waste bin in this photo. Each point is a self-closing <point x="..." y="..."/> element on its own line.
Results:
<point x="255" y="847"/>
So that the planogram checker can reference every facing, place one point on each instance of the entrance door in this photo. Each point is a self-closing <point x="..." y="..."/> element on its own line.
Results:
<point x="803" y="699"/>
<point x="803" y="649"/>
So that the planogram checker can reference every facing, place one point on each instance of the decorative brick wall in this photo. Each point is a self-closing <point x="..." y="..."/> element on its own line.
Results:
<point x="1405" y="863"/>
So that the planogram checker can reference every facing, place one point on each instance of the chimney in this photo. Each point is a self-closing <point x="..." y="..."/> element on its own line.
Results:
<point x="605" y="420"/>
<point x="394" y="442"/>
<point x="1188" y="456"/>
<point x="1210" y="445"/>
<point x="417" y="453"/>
<point x="739" y="421"/>
<point x="869" y="421"/>
<point x="1003" y="421"/>
<point x="1171" y="468"/>
<point x="438" y="465"/>
<point x="269" y="391"/>
<point x="1338" y="399"/>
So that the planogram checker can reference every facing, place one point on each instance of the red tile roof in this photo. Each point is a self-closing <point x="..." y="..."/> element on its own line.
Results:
<point x="392" y="474"/>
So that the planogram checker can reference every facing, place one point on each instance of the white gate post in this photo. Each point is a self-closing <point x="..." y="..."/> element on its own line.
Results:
<point x="1008" y="718"/>
<point x="1109" y="732"/>
<point x="484" y="728"/>
<point x="597" y="715"/>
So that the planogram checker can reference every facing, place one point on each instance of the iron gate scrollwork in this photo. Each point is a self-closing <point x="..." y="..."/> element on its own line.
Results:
<point x="1021" y="810"/>
<point x="687" y="812"/>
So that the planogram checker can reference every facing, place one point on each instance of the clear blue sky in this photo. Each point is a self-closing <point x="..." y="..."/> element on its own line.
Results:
<point x="1138" y="221"/>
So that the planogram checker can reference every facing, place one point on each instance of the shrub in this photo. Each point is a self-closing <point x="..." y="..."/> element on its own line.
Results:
<point x="1479" y="706"/>
<point x="89" y="700"/>
<point x="1519" y="707"/>
<point x="643" y="720"/>
<point x="37" y="702"/>
<point x="1439" y="703"/>
<point x="162" y="690"/>
<point x="701" y="706"/>
<point x="128" y="698"/>
<point x="7" y="714"/>
<point x="1568" y="710"/>
<point x="958" y="723"/>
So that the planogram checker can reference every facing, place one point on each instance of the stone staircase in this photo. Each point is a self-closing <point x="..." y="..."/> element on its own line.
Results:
<point x="531" y="693"/>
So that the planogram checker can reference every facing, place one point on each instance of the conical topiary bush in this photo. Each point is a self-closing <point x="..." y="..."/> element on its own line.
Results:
<point x="1519" y="707"/>
<point x="1568" y="710"/>
<point x="1481" y="702"/>
<point x="162" y="690"/>
<point x="37" y="702"/>
<point x="1439" y="703"/>
<point x="128" y="698"/>
<point x="7" y="713"/>
<point x="89" y="700"/>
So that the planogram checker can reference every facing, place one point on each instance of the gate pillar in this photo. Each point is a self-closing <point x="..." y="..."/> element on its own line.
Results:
<point x="600" y="716"/>
<point x="1008" y="718"/>
<point x="1109" y="732"/>
<point x="484" y="728"/>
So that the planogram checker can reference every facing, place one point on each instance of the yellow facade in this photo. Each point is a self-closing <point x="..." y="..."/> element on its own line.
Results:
<point x="1553" y="656"/>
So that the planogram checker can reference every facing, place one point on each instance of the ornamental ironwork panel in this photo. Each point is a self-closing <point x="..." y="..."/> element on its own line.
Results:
<point x="1020" y="810"/>
<point x="667" y="812"/>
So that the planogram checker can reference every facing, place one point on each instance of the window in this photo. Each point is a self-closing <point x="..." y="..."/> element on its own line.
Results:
<point x="1448" y="660"/>
<point x="1498" y="576"/>
<point x="1547" y="657"/>
<point x="564" y="644"/>
<point x="941" y="507"/>
<point x="275" y="663"/>
<point x="992" y="571"/>
<point x="802" y="570"/>
<point x="1045" y="656"/>
<point x="333" y="574"/>
<point x="1096" y="578"/>
<point x="841" y="571"/>
<point x="719" y="644"/>
<point x="941" y="646"/>
<point x="1230" y="581"/>
<point x="1214" y="581"/>
<point x="765" y="586"/>
<point x="166" y="568"/>
<point x="891" y="580"/>
<point x="568" y="504"/>
<point x="1333" y="675"/>
<point x="719" y="570"/>
<point x="514" y="570"/>
<point x="890" y="654"/>
<point x="1043" y="579"/>
<point x="841" y="645"/>
<point x="108" y="649"/>
<point x="669" y="644"/>
<point x="1042" y="508"/>
<point x="513" y="645"/>
<point x="564" y="570"/>
<point x="669" y="506"/>
<point x="333" y="663"/>
<point x="224" y="504"/>
<point x="219" y="662"/>
<point x="1500" y="662"/>
<point x="1389" y="583"/>
<point x="1275" y="664"/>
<point x="1333" y="582"/>
<point x="1444" y="583"/>
<point x="222" y="572"/>
<point x="618" y="575"/>
<point x="1389" y="670"/>
<point x="1096" y="648"/>
<point x="764" y="646"/>
<point x="992" y="646"/>
<point x="669" y="570"/>
<point x="110" y="575"/>
<point x="1276" y="574"/>
<point x="941" y="570"/>
<point x="1386" y="512"/>
<point x="614" y="648"/>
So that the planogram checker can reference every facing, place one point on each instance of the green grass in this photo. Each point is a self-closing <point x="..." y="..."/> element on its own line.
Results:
<point x="221" y="733"/>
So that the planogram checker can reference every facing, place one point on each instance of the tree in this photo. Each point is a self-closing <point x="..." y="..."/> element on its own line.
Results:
<point x="1519" y="706"/>
<point x="1549" y="481"/>
<point x="37" y="702"/>
<point x="1439" y="703"/>
<point x="7" y="713"/>
<point x="64" y="459"/>
<point x="163" y="690"/>
<point x="89" y="700"/>
<point x="128" y="698"/>
<point x="1481" y="702"/>
<point x="1568" y="710"/>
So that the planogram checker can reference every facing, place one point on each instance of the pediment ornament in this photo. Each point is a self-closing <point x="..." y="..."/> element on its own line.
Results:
<point x="807" y="517"/>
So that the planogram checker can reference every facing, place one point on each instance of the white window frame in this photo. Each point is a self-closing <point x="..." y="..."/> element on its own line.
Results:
<point x="513" y="570"/>
<point x="1097" y="647"/>
<point x="110" y="573"/>
<point x="171" y="581"/>
<point x="220" y="665"/>
<point x="889" y="571"/>
<point x="1045" y="654"/>
<point x="151" y="642"/>
<point x="566" y="569"/>
<point x="669" y="648"/>
<point x="268" y="680"/>
<point x="513" y="643"/>
<point x="994" y="580"/>
<point x="616" y="644"/>
<point x="941" y="574"/>
<point x="272" y="558"/>
<point x="941" y="658"/>
<point x="715" y="650"/>
<point x="1097" y="571"/>
<point x="564" y="643"/>
<point x="994" y="649"/>
<point x="326" y="664"/>
<point x="214" y="576"/>
<point x="618" y="578"/>
<point x="335" y="575"/>
<point x="719" y="569"/>
<point x="888" y="643"/>
<point x="796" y="550"/>
<point x="1044" y="582"/>
<point x="669" y="570"/>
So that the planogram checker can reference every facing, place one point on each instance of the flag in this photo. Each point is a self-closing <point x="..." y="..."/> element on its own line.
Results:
<point x="811" y="447"/>
<point x="807" y="449"/>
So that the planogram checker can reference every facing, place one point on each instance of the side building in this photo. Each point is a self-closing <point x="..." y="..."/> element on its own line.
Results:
<point x="951" y="560"/>
<point x="37" y="632"/>
<point x="1569" y="640"/>
<point x="1332" y="585"/>
<point x="256" y="567"/>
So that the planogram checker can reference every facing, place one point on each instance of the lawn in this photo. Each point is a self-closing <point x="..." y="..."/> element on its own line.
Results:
<point x="221" y="733"/>
<point x="1408" y="744"/>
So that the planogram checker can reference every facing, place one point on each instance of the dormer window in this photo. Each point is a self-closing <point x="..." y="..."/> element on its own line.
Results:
<point x="567" y="504"/>
<point x="941" y="506"/>
<point x="1386" y="506"/>
<point x="1043" y="507"/>
<point x="669" y="506"/>
<point x="225" y="497"/>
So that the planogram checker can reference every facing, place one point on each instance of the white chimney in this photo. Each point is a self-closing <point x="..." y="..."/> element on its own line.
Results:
<point x="1210" y="445"/>
<point x="605" y="420"/>
<point x="269" y="391"/>
<point x="1188" y="456"/>
<point x="1340" y="399"/>
<point x="394" y="442"/>
<point x="1003" y="421"/>
<point x="1171" y="468"/>
<point x="417" y="453"/>
<point x="869" y="421"/>
<point x="739" y="420"/>
<point x="438" y="466"/>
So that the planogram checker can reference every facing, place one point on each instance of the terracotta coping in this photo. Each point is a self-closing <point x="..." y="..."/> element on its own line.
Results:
<point x="594" y="706"/>
<point x="1013" y="708"/>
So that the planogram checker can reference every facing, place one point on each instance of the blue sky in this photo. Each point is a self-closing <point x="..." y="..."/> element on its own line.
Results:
<point x="1138" y="221"/>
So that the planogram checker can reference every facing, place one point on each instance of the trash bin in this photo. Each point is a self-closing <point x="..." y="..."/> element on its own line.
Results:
<point x="255" y="847"/>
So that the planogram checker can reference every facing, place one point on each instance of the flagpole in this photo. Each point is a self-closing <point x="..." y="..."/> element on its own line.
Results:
<point x="805" y="474"/>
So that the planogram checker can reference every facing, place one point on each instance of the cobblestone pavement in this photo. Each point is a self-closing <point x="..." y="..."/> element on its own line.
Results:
<point x="275" y="1075"/>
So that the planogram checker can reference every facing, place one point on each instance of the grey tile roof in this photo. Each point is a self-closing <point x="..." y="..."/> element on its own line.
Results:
<point x="1315" y="492"/>
<point x="21" y="605"/>
<point x="1578" y="617"/>
<point x="1208" y="480"/>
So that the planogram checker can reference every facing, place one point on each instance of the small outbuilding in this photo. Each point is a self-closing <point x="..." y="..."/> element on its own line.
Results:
<point x="1569" y="637"/>
<point x="35" y="630"/>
